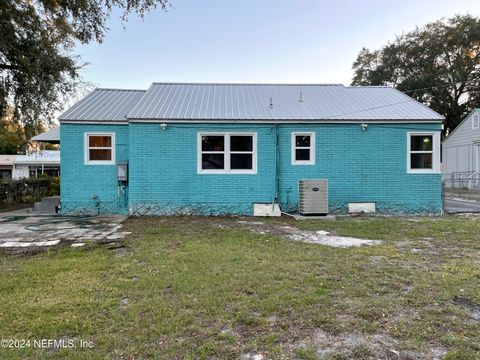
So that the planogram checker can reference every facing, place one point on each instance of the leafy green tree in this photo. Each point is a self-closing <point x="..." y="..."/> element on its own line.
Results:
<point x="438" y="64"/>
<point x="12" y="137"/>
<point x="38" y="68"/>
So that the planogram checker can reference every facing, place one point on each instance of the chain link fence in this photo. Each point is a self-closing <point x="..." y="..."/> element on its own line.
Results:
<point x="463" y="185"/>
<point x="461" y="192"/>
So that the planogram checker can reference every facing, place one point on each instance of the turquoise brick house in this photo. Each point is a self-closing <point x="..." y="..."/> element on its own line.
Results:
<point x="221" y="148"/>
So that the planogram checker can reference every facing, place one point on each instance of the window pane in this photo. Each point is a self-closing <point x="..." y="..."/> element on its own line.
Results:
<point x="241" y="143"/>
<point x="100" y="154"/>
<point x="302" y="154"/>
<point x="100" y="141"/>
<point x="241" y="161"/>
<point x="213" y="161"/>
<point x="302" y="141"/>
<point x="421" y="143"/>
<point x="421" y="161"/>
<point x="213" y="143"/>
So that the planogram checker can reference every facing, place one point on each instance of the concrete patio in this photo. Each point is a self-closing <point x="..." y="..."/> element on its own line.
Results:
<point x="20" y="229"/>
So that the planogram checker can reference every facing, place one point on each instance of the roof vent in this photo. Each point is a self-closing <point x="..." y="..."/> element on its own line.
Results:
<point x="300" y="98"/>
<point x="271" y="102"/>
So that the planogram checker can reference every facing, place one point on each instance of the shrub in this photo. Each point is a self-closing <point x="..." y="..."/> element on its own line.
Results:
<point x="28" y="190"/>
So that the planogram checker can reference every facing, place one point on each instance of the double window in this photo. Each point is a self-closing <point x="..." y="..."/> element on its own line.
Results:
<point x="423" y="152"/>
<point x="303" y="148"/>
<point x="227" y="153"/>
<point x="99" y="148"/>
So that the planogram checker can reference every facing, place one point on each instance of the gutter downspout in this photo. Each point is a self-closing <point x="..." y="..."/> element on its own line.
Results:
<point x="277" y="171"/>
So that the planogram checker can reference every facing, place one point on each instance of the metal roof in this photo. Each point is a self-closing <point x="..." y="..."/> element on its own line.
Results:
<point x="104" y="105"/>
<point x="250" y="102"/>
<point x="277" y="102"/>
<point x="50" y="136"/>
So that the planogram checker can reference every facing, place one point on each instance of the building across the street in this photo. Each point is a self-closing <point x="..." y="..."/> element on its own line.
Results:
<point x="35" y="164"/>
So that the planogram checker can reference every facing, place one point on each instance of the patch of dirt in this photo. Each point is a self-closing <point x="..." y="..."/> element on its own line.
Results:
<point x="364" y="346"/>
<point x="313" y="237"/>
<point x="251" y="356"/>
<point x="472" y="308"/>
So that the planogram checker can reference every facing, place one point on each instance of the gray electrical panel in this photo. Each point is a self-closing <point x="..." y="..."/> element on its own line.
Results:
<point x="122" y="172"/>
<point x="313" y="197"/>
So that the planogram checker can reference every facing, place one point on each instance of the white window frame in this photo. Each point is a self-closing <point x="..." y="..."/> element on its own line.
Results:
<point x="311" y="148"/>
<point x="435" y="152"/>
<point x="475" y="121"/>
<point x="227" y="153"/>
<point x="86" y="146"/>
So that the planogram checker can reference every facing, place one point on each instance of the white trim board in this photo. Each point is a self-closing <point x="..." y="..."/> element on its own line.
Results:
<point x="280" y="122"/>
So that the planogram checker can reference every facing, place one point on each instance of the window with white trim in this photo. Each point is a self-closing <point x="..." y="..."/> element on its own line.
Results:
<point x="227" y="153"/>
<point x="99" y="148"/>
<point x="303" y="148"/>
<point x="475" y="122"/>
<point x="423" y="152"/>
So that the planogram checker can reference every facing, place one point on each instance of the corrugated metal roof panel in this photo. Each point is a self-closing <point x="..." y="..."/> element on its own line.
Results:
<point x="248" y="102"/>
<point x="104" y="105"/>
<point x="51" y="136"/>
<point x="252" y="102"/>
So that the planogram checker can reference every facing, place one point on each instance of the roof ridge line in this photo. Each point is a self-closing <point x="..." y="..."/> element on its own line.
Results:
<point x="247" y="84"/>
<point x="119" y="89"/>
<point x="369" y="86"/>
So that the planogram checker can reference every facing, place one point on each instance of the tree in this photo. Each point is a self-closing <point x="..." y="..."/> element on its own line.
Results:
<point x="12" y="136"/>
<point x="438" y="65"/>
<point x="38" y="67"/>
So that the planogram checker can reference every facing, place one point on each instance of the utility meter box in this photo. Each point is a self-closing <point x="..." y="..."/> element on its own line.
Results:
<point x="122" y="172"/>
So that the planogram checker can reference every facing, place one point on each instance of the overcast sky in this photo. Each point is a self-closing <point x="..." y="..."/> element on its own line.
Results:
<point x="277" y="41"/>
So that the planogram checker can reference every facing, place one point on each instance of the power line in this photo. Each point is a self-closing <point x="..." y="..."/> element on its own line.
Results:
<point x="435" y="87"/>
<point x="368" y="109"/>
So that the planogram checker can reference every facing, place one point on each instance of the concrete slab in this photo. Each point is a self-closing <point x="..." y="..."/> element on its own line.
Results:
<point x="459" y="205"/>
<point x="20" y="229"/>
<point x="314" y="217"/>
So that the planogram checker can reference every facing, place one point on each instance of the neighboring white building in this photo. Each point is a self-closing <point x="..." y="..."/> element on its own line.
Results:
<point x="461" y="149"/>
<point x="36" y="163"/>
<point x="6" y="166"/>
<point x="31" y="165"/>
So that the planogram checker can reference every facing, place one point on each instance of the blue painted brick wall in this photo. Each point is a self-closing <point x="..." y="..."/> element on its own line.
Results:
<point x="360" y="165"/>
<point x="79" y="182"/>
<point x="164" y="179"/>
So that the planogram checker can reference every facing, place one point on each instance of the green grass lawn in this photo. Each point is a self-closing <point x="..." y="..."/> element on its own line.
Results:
<point x="189" y="287"/>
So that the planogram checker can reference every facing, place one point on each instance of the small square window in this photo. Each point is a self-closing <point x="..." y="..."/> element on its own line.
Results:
<point x="303" y="148"/>
<point x="99" y="149"/>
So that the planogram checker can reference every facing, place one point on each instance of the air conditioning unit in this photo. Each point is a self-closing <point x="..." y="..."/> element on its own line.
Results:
<point x="313" y="197"/>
